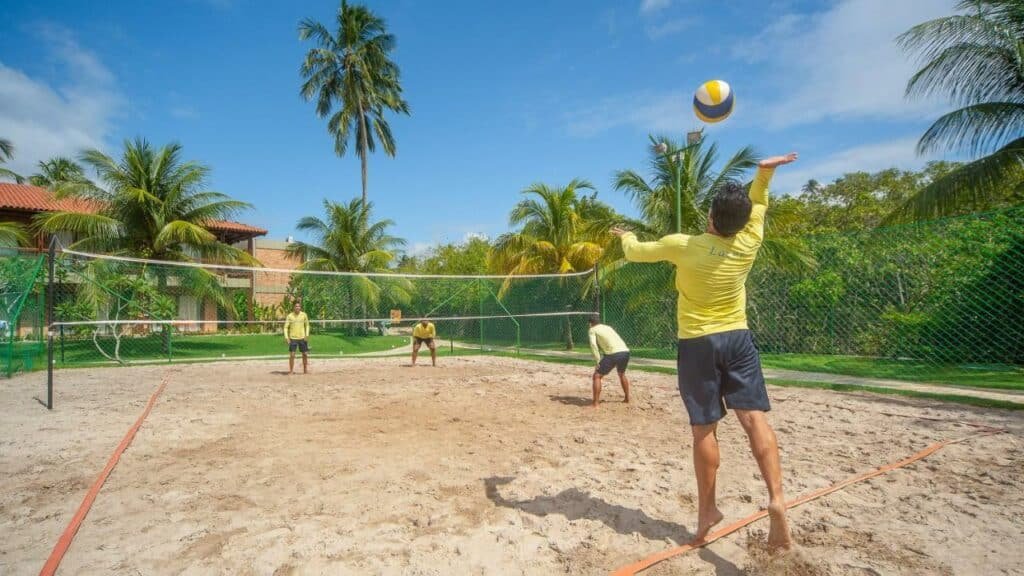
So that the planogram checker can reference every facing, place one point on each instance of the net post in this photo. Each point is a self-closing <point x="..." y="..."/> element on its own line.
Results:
<point x="170" y="341"/>
<point x="599" y="308"/>
<point x="481" y="292"/>
<point x="49" y="322"/>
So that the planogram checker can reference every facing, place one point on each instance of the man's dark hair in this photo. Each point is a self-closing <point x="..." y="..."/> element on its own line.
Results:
<point x="730" y="209"/>
<point x="595" y="319"/>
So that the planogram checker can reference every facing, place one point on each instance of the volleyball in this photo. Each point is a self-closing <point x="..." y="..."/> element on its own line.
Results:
<point x="713" y="101"/>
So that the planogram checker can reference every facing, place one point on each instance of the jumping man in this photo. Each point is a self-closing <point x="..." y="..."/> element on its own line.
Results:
<point x="604" y="340"/>
<point x="296" y="334"/>
<point x="718" y="365"/>
<point x="424" y="332"/>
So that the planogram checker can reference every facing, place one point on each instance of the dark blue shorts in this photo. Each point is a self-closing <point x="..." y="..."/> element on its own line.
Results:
<point x="302" y="345"/>
<point x="618" y="360"/>
<point x="720" y="371"/>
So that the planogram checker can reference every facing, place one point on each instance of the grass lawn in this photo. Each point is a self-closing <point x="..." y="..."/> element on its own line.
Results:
<point x="216" y="346"/>
<point x="980" y="376"/>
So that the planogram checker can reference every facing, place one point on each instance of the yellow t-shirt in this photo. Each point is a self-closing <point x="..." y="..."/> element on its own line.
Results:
<point x="604" y="339"/>
<point x="296" y="326"/>
<point x="421" y="331"/>
<point x="711" y="271"/>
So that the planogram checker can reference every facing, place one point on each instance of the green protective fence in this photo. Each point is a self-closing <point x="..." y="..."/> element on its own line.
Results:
<point x="21" y="316"/>
<point x="940" y="300"/>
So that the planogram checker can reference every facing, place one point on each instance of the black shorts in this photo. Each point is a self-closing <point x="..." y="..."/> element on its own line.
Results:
<point x="719" y="371"/>
<point x="302" y="345"/>
<point x="428" y="341"/>
<point x="618" y="360"/>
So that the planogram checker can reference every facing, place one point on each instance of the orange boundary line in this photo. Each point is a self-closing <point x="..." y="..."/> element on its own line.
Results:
<point x="646" y="563"/>
<point x="64" y="542"/>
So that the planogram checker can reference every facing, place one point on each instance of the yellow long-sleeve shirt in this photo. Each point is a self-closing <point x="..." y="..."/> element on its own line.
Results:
<point x="424" y="332"/>
<point x="711" y="271"/>
<point x="604" y="339"/>
<point x="296" y="326"/>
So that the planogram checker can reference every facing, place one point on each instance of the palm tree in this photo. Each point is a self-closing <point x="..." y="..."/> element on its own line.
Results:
<point x="690" y="175"/>
<point x="974" y="58"/>
<point x="57" y="173"/>
<point x="348" y="240"/>
<point x="354" y="81"/>
<point x="6" y="153"/>
<point x="12" y="235"/>
<point x="811" y="187"/>
<point x="557" y="235"/>
<point x="152" y="204"/>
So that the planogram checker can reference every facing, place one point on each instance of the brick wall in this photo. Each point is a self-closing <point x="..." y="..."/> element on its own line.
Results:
<point x="271" y="287"/>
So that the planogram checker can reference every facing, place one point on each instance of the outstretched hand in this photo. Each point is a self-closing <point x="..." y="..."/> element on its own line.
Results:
<point x="776" y="161"/>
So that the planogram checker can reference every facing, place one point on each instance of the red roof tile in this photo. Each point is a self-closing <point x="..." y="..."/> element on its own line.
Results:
<point x="36" y="199"/>
<point x="28" y="198"/>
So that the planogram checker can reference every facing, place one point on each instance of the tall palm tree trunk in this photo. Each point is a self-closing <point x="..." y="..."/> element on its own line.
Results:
<point x="363" y="148"/>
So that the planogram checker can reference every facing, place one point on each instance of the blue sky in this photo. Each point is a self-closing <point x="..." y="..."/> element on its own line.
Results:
<point x="502" y="94"/>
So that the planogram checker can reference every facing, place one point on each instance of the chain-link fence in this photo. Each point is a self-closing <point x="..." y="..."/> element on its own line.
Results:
<point x="948" y="293"/>
<point x="118" y="311"/>
<point x="21" y="311"/>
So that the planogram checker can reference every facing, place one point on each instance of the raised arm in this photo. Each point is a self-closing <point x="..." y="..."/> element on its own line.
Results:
<point x="759" y="192"/>
<point x="668" y="248"/>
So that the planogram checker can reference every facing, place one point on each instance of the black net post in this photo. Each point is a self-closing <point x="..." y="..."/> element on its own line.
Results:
<point x="49" y="322"/>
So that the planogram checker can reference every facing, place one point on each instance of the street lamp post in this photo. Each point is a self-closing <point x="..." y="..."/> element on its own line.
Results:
<point x="693" y="138"/>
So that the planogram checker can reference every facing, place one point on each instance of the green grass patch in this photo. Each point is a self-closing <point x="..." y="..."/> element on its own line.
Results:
<point x="959" y="399"/>
<point x="187" y="347"/>
<point x="979" y="376"/>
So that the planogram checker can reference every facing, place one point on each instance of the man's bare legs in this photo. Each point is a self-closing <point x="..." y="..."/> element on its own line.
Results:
<point x="766" y="451"/>
<point x="415" y="352"/>
<point x="597" y="389"/>
<point x="705" y="464"/>
<point x="624" y="380"/>
<point x="305" y="362"/>
<point x="291" y="363"/>
<point x="433" y="355"/>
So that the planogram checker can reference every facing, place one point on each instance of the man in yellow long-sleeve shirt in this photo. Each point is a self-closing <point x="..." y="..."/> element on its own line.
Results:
<point x="609" y="352"/>
<point x="296" y="334"/>
<point x="718" y="365"/>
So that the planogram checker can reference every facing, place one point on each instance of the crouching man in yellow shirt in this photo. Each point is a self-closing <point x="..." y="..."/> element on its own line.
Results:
<point x="718" y="365"/>
<point x="424" y="333"/>
<point x="604" y="340"/>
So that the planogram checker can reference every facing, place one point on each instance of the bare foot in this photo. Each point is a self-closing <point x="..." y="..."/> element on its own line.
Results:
<point x="706" y="522"/>
<point x="592" y="406"/>
<point x="778" y="533"/>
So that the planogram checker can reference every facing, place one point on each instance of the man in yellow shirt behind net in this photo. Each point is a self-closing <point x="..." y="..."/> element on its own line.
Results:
<point x="296" y="334"/>
<point x="609" y="352"/>
<point x="424" y="333"/>
<point x="718" y="365"/>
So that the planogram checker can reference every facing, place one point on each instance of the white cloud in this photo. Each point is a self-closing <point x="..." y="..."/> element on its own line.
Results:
<point x="475" y="236"/>
<point x="652" y="6"/>
<point x="669" y="28"/>
<point x="840" y="64"/>
<point x="418" y="249"/>
<point x="44" y="120"/>
<point x="899" y="153"/>
<point x="650" y="110"/>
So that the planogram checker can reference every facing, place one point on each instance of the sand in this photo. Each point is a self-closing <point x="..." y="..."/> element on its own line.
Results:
<point x="480" y="466"/>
